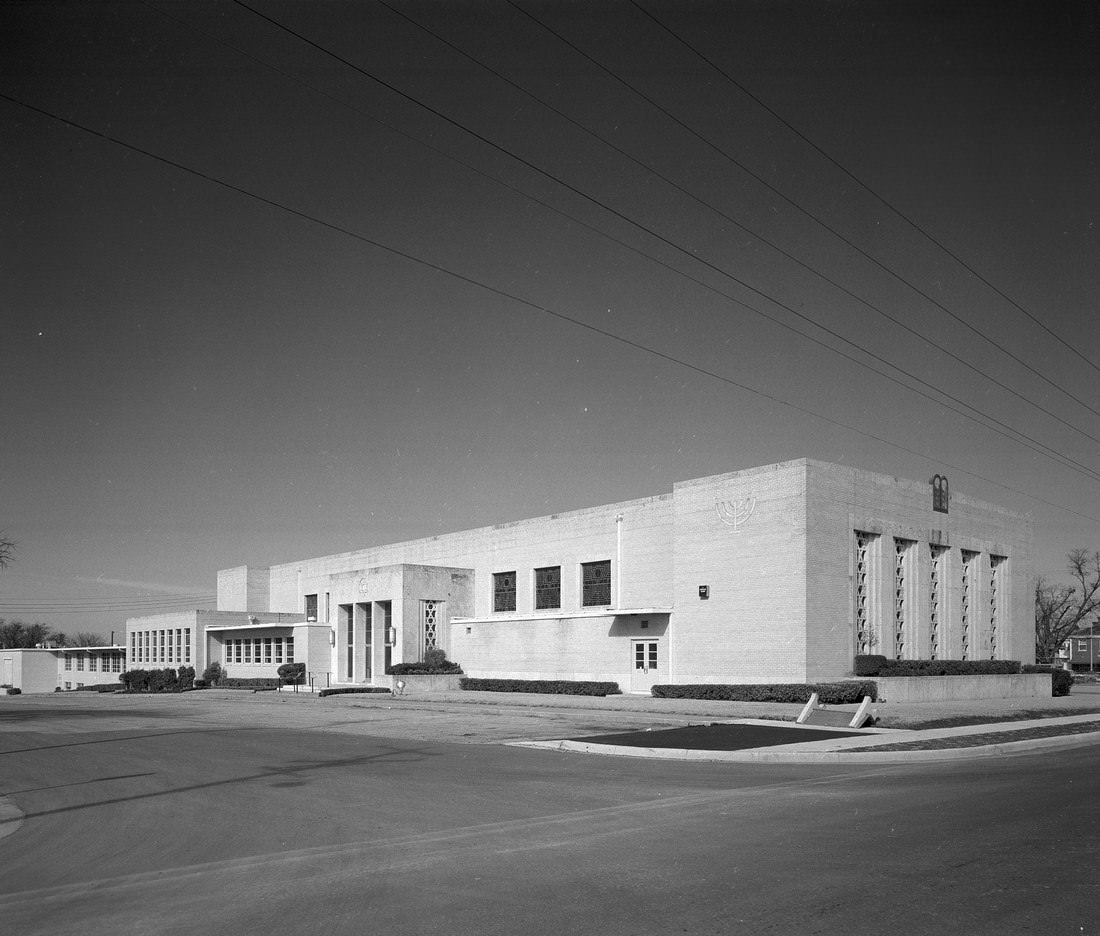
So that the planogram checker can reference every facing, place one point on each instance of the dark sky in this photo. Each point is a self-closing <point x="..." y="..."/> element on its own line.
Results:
<point x="286" y="279"/>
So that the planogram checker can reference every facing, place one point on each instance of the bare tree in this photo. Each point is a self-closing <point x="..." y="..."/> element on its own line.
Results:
<point x="7" y="551"/>
<point x="86" y="639"/>
<point x="1061" y="610"/>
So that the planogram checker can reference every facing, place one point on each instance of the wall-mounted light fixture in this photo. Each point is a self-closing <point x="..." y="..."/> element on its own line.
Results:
<point x="391" y="636"/>
<point x="704" y="592"/>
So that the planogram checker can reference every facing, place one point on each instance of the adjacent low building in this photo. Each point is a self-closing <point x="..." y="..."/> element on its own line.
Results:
<point x="46" y="669"/>
<point x="775" y="574"/>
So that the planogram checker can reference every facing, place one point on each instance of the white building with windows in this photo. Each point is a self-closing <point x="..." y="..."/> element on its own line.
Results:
<point x="775" y="574"/>
<point x="46" y="669"/>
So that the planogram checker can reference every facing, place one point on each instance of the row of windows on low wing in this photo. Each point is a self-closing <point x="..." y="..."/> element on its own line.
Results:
<point x="276" y="650"/>
<point x="111" y="662"/>
<point x="595" y="587"/>
<point x="161" y="646"/>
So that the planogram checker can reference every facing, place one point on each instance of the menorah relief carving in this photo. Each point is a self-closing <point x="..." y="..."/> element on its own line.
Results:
<point x="735" y="513"/>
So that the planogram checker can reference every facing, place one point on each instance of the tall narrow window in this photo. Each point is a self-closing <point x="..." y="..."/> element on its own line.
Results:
<point x="504" y="591"/>
<point x="902" y="553"/>
<point x="935" y="599"/>
<point x="290" y="649"/>
<point x="596" y="584"/>
<point x="347" y="620"/>
<point x="278" y="649"/>
<point x="548" y="588"/>
<point x="429" y="619"/>
<point x="187" y="645"/>
<point x="966" y="618"/>
<point x="866" y="635"/>
<point x="996" y="564"/>
<point x="311" y="607"/>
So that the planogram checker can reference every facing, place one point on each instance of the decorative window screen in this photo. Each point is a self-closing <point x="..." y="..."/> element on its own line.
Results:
<point x="504" y="591"/>
<point x="996" y="564"/>
<point x="429" y="623"/>
<point x="902" y="553"/>
<point x="935" y="599"/>
<point x="548" y="588"/>
<point x="866" y="638"/>
<point x="596" y="584"/>
<point x="967" y="610"/>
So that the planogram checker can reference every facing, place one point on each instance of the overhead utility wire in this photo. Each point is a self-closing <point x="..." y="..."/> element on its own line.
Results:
<point x="589" y="198"/>
<point x="580" y="323"/>
<point x="863" y="185"/>
<point x="804" y="211"/>
<point x="1012" y="433"/>
<point x="986" y="421"/>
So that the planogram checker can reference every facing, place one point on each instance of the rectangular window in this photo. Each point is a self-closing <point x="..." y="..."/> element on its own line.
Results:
<point x="93" y="663"/>
<point x="257" y="645"/>
<point x="328" y="606"/>
<point x="187" y="645"/>
<point x="596" y="584"/>
<point x="116" y="663"/>
<point x="290" y="649"/>
<point x="247" y="650"/>
<point x="267" y="649"/>
<point x="80" y="663"/>
<point x="1082" y="646"/>
<point x="68" y="662"/>
<point x="504" y="591"/>
<point x="548" y="588"/>
<point x="278" y="649"/>
<point x="238" y="653"/>
<point x="311" y="607"/>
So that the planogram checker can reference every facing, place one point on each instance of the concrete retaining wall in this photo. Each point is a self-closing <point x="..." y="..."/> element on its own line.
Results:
<point x="956" y="688"/>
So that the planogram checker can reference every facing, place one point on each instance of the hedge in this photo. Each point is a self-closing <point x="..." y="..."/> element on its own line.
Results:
<point x="102" y="687"/>
<point x="13" y="690"/>
<point x="878" y="665"/>
<point x="350" y="690"/>
<point x="843" y="693"/>
<point x="435" y="663"/>
<point x="258" y="682"/>
<point x="549" y="686"/>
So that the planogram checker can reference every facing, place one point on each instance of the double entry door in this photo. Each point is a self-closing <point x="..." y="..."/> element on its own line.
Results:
<point x="646" y="664"/>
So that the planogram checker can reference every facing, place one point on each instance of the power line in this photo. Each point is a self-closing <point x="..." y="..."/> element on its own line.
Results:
<point x="967" y="411"/>
<point x="461" y="277"/>
<point x="807" y="213"/>
<point x="863" y="185"/>
<point x="686" y="252"/>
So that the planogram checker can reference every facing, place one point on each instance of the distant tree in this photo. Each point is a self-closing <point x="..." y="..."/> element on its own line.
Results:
<point x="85" y="639"/>
<point x="1061" y="610"/>
<point x="7" y="550"/>
<point x="16" y="635"/>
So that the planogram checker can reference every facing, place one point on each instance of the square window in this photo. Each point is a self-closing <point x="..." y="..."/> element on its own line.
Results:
<point x="596" y="584"/>
<point x="504" y="591"/>
<point x="547" y="588"/>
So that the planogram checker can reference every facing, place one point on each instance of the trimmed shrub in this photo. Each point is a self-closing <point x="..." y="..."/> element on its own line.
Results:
<point x="292" y="673"/>
<point x="257" y="682"/>
<point x="1060" y="682"/>
<point x="213" y="674"/>
<point x="186" y="677"/>
<point x="352" y="690"/>
<point x="165" y="680"/>
<point x="199" y="684"/>
<point x="877" y="665"/>
<point x="13" y="690"/>
<point x="843" y="693"/>
<point x="436" y="665"/>
<point x="549" y="686"/>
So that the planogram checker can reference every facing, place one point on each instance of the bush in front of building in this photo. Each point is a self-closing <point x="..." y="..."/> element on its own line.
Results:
<point x="352" y="690"/>
<point x="101" y="687"/>
<point x="549" y="686"/>
<point x="1061" y="681"/>
<point x="435" y="663"/>
<point x="213" y="674"/>
<point x="256" y="682"/>
<point x="873" y="664"/>
<point x="843" y="693"/>
<point x="186" y="677"/>
<point x="12" y="690"/>
<point x="292" y="674"/>
<point x="139" y="680"/>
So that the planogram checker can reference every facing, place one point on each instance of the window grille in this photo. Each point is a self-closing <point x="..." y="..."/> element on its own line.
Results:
<point x="968" y="567"/>
<point x="548" y="588"/>
<point x="429" y="613"/>
<point x="865" y="635"/>
<point x="504" y="591"/>
<point x="596" y="584"/>
<point x="996" y="563"/>
<point x="902" y="552"/>
<point x="935" y="597"/>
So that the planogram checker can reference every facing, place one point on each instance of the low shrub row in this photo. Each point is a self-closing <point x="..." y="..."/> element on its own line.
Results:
<point x="549" y="686"/>
<point x="256" y="682"/>
<point x="352" y="690"/>
<point x="162" y="680"/>
<point x="435" y="663"/>
<point x="842" y="693"/>
<point x="873" y="664"/>
<point x="12" y="690"/>
<point x="102" y="687"/>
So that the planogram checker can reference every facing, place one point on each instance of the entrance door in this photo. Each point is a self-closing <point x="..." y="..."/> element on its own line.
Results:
<point x="645" y="670"/>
